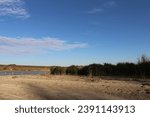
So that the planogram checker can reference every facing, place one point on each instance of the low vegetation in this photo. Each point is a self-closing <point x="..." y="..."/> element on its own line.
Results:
<point x="141" y="69"/>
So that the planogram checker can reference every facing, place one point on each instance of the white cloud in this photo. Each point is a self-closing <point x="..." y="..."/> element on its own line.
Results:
<point x="102" y="7"/>
<point x="34" y="45"/>
<point x="95" y="10"/>
<point x="109" y="4"/>
<point x="13" y="8"/>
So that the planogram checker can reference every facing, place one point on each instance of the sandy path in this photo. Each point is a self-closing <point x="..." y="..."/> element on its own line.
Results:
<point x="69" y="87"/>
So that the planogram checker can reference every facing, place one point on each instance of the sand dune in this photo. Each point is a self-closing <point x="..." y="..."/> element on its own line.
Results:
<point x="69" y="87"/>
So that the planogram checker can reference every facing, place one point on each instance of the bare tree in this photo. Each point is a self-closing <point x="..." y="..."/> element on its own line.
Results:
<point x="143" y="59"/>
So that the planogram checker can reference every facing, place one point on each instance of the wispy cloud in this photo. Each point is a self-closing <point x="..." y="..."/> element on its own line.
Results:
<point x="94" y="10"/>
<point x="35" y="46"/>
<point x="109" y="4"/>
<point x="13" y="8"/>
<point x="102" y="7"/>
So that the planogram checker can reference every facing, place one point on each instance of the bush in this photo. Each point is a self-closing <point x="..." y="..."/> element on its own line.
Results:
<point x="72" y="70"/>
<point x="57" y="71"/>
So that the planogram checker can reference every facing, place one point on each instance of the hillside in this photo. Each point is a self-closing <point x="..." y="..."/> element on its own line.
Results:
<point x="13" y="67"/>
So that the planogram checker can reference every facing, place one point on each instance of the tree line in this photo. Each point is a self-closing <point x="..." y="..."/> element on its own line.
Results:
<point x="140" y="69"/>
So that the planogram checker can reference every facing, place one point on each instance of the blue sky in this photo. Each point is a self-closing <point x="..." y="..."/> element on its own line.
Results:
<point x="80" y="32"/>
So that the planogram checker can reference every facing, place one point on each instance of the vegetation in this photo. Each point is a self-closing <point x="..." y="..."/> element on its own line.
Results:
<point x="58" y="70"/>
<point x="140" y="69"/>
<point x="23" y="68"/>
<point x="72" y="70"/>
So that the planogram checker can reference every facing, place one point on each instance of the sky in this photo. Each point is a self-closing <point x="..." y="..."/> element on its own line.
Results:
<point x="73" y="32"/>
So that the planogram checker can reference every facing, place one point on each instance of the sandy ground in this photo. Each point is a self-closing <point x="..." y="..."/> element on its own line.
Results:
<point x="29" y="87"/>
